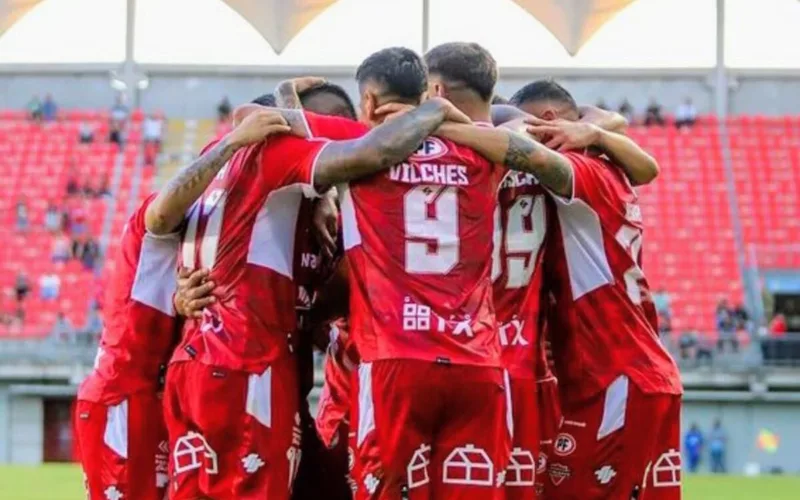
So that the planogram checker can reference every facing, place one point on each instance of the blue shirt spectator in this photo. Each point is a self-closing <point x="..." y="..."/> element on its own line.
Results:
<point x="693" y="446"/>
<point x="49" y="108"/>
<point x="717" y="442"/>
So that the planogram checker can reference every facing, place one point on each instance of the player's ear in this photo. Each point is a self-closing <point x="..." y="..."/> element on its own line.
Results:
<point x="439" y="90"/>
<point x="549" y="114"/>
<point x="370" y="105"/>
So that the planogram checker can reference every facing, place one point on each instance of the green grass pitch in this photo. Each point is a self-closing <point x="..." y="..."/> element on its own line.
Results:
<point x="64" y="482"/>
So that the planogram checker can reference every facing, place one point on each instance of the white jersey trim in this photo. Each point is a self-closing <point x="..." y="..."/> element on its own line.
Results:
<point x="115" y="435"/>
<point x="274" y="231"/>
<point x="350" y="232"/>
<point x="366" y="407"/>
<point x="259" y="397"/>
<point x="156" y="280"/>
<point x="614" y="406"/>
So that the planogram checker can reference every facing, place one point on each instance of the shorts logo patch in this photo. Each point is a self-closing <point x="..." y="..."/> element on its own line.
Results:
<point x="252" y="463"/>
<point x="371" y="483"/>
<point x="162" y="464"/>
<point x="192" y="452"/>
<point x="564" y="444"/>
<point x="541" y="466"/>
<point x="417" y="469"/>
<point x="112" y="493"/>
<point x="521" y="468"/>
<point x="667" y="470"/>
<point x="558" y="473"/>
<point x="468" y="465"/>
<point x="605" y="474"/>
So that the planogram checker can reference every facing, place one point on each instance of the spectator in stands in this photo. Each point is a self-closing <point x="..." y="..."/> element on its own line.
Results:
<point x="22" y="286"/>
<point x="52" y="218"/>
<point x="77" y="221"/>
<point x="22" y="216"/>
<point x="663" y="303"/>
<point x="94" y="324"/>
<point x="103" y="187"/>
<point x="87" y="189"/>
<point x="63" y="330"/>
<point x="72" y="181"/>
<point x="86" y="133"/>
<point x="49" y="286"/>
<point x="778" y="327"/>
<point x="626" y="110"/>
<point x="35" y="108"/>
<point x="726" y="326"/>
<point x="119" y="117"/>
<point x="49" y="108"/>
<point x="717" y="442"/>
<point x="653" y="114"/>
<point x="61" y="249"/>
<point x="741" y="318"/>
<point x="90" y="254"/>
<point x="224" y="109"/>
<point x="693" y="446"/>
<point x="686" y="114"/>
<point x="601" y="103"/>
<point x="152" y="132"/>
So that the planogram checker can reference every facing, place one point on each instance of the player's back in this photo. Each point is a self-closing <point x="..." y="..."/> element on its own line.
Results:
<point x="605" y="324"/>
<point x="520" y="234"/>
<point x="243" y="229"/>
<point x="139" y="318"/>
<point x="418" y="239"/>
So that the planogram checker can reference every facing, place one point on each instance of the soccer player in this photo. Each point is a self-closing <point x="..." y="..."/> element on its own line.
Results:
<point x="119" y="425"/>
<point x="231" y="395"/>
<point x="620" y="390"/>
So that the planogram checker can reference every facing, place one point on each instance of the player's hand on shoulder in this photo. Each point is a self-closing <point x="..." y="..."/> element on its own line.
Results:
<point x="326" y="222"/>
<point x="563" y="135"/>
<point x="257" y="126"/>
<point x="194" y="292"/>
<point x="392" y="110"/>
<point x="306" y="83"/>
<point x="451" y="112"/>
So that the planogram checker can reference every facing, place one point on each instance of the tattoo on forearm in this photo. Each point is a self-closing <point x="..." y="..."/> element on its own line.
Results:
<point x="187" y="185"/>
<point x="527" y="155"/>
<point x="286" y="96"/>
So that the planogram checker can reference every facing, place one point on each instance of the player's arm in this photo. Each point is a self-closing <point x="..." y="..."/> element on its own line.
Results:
<point x="506" y="146"/>
<point x="384" y="146"/>
<point x="639" y="166"/>
<point x="294" y="117"/>
<point x="606" y="120"/>
<point x="287" y="93"/>
<point x="166" y="212"/>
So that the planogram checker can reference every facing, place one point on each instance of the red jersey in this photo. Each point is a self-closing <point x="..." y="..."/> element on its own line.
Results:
<point x="520" y="229"/>
<point x="605" y="324"/>
<point x="416" y="238"/>
<point x="244" y="230"/>
<point x="139" y="328"/>
<point x="334" y="401"/>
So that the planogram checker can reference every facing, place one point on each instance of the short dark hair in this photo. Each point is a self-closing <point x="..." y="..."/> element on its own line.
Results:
<point x="498" y="99"/>
<point x="329" y="88"/>
<point x="400" y="70"/>
<point x="543" y="90"/>
<point x="467" y="64"/>
<point x="266" y="100"/>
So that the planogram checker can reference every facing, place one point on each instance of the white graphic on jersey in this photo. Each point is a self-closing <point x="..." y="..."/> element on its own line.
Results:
<point x="430" y="148"/>
<point x="100" y="353"/>
<point x="252" y="463"/>
<point x="541" y="466"/>
<point x="501" y="479"/>
<point x="162" y="480"/>
<point x="417" y="469"/>
<point x="558" y="473"/>
<point x="162" y="464"/>
<point x="468" y="465"/>
<point x="371" y="483"/>
<point x="416" y="317"/>
<point x="564" y="444"/>
<point x="294" y="454"/>
<point x="192" y="452"/>
<point x="431" y="229"/>
<point x="512" y="329"/>
<point x="526" y="227"/>
<point x="666" y="470"/>
<point x="212" y="208"/>
<point x="630" y="238"/>
<point x="605" y="474"/>
<point x="112" y="493"/>
<point x="211" y="322"/>
<point x="521" y="469"/>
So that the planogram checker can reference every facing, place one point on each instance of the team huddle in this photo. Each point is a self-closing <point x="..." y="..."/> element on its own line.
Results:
<point x="471" y="270"/>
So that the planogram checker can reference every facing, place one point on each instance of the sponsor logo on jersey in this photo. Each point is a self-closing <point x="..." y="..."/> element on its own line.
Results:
<point x="666" y="470"/>
<point x="431" y="148"/>
<point x="112" y="493"/>
<point x="430" y="173"/>
<point x="558" y="473"/>
<point x="564" y="444"/>
<point x="468" y="465"/>
<point x="511" y="333"/>
<point x="541" y="466"/>
<point x="605" y="474"/>
<point x="309" y="260"/>
<point x="633" y="212"/>
<point x="371" y="483"/>
<point x="420" y="318"/>
<point x="518" y="179"/>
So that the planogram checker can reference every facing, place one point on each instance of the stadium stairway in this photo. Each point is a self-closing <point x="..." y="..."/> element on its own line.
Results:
<point x="183" y="141"/>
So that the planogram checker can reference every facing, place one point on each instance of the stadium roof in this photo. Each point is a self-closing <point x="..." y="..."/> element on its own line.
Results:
<point x="572" y="22"/>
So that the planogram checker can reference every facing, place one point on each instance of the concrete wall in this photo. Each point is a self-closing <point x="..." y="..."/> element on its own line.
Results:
<point x="26" y="422"/>
<point x="195" y="95"/>
<point x="5" y="425"/>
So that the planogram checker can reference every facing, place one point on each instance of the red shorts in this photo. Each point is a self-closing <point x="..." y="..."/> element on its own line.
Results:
<point x="549" y="422"/>
<point x="521" y="471"/>
<point x="233" y="435"/>
<point x="620" y="444"/>
<point x="123" y="448"/>
<point x="428" y="431"/>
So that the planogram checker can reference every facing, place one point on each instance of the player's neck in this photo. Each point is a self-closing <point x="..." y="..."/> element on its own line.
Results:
<point x="477" y="111"/>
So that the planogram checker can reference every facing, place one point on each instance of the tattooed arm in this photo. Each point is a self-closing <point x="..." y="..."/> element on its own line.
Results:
<point x="167" y="210"/>
<point x="384" y="146"/>
<point x="287" y="93"/>
<point x="517" y="151"/>
<point x="293" y="117"/>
